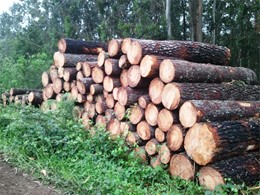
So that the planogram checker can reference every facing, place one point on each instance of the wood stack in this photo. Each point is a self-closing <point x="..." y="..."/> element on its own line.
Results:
<point x="177" y="103"/>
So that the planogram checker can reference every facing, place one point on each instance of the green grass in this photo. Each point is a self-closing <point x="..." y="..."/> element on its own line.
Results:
<point x="80" y="163"/>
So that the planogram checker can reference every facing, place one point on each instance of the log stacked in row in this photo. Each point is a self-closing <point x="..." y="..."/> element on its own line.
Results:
<point x="177" y="102"/>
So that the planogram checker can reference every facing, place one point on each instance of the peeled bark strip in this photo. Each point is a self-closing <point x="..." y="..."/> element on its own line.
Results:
<point x="123" y="62"/>
<point x="195" y="111"/>
<point x="175" y="138"/>
<point x="241" y="169"/>
<point x="134" y="78"/>
<point x="155" y="90"/>
<point x="83" y="85"/>
<point x="184" y="71"/>
<point x="69" y="74"/>
<point x="113" y="127"/>
<point x="151" y="114"/>
<point x="166" y="118"/>
<point x="210" y="142"/>
<point x="145" y="131"/>
<point x="123" y="78"/>
<point x="128" y="96"/>
<point x="81" y="47"/>
<point x="110" y="102"/>
<point x="96" y="89"/>
<point x="18" y="91"/>
<point x="71" y="60"/>
<point x="110" y="83"/>
<point x="173" y="93"/>
<point x="144" y="100"/>
<point x="98" y="74"/>
<point x="35" y="98"/>
<point x="136" y="114"/>
<point x="102" y="56"/>
<point x="151" y="147"/>
<point x="159" y="135"/>
<point x="182" y="166"/>
<point x="46" y="79"/>
<point x="119" y="111"/>
<point x="187" y="50"/>
<point x="112" y="68"/>
<point x="165" y="154"/>
<point x="114" y="47"/>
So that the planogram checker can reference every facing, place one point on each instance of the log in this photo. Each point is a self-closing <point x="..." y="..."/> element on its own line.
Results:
<point x="119" y="111"/>
<point x="125" y="45"/>
<point x="110" y="83"/>
<point x="123" y="78"/>
<point x="19" y="91"/>
<point x="102" y="56"/>
<point x="53" y="74"/>
<point x="79" y="75"/>
<point x="175" y="138"/>
<point x="123" y="62"/>
<point x="187" y="50"/>
<point x="98" y="75"/>
<point x="81" y="98"/>
<point x="114" y="47"/>
<point x="184" y="71"/>
<point x="141" y="155"/>
<point x="87" y="68"/>
<point x="195" y="111"/>
<point x="166" y="118"/>
<point x="66" y="86"/>
<point x="159" y="135"/>
<point x="182" y="166"/>
<point x="110" y="102"/>
<point x="77" y="112"/>
<point x="48" y="91"/>
<point x="128" y="96"/>
<point x="144" y="100"/>
<point x="101" y="120"/>
<point x="105" y="93"/>
<point x="74" y="93"/>
<point x="74" y="46"/>
<point x="60" y="72"/>
<point x="101" y="107"/>
<point x="84" y="84"/>
<point x="95" y="89"/>
<point x="155" y="90"/>
<point x="126" y="127"/>
<point x="90" y="98"/>
<point x="112" y="68"/>
<point x="35" y="98"/>
<point x="115" y="92"/>
<point x="113" y="127"/>
<point x="5" y="98"/>
<point x="90" y="109"/>
<point x="136" y="114"/>
<point x="155" y="161"/>
<point x="165" y="154"/>
<point x="134" y="78"/>
<point x="151" y="114"/>
<point x="133" y="139"/>
<point x="46" y="79"/>
<point x="71" y="60"/>
<point x="79" y="66"/>
<point x="240" y="169"/>
<point x="173" y="93"/>
<point x="151" y="147"/>
<point x="210" y="142"/>
<point x="70" y="74"/>
<point x="109" y="114"/>
<point x="145" y="131"/>
<point x="149" y="66"/>
<point x="58" y="85"/>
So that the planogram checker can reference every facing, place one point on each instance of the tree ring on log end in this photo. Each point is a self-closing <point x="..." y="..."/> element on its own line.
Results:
<point x="171" y="96"/>
<point x="167" y="71"/>
<point x="188" y="114"/>
<point x="134" y="53"/>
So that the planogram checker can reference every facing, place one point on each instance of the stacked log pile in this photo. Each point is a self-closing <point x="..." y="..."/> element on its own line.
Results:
<point x="178" y="103"/>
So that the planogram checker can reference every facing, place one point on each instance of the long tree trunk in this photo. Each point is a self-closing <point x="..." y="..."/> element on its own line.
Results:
<point x="168" y="19"/>
<point x="196" y="20"/>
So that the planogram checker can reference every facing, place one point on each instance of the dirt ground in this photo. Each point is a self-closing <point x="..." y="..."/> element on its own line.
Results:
<point x="14" y="182"/>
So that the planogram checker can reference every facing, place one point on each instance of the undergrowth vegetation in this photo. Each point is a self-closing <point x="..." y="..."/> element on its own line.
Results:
<point x="58" y="150"/>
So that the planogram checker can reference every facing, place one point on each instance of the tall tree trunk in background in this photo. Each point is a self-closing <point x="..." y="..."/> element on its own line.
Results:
<point x="183" y="3"/>
<point x="168" y="19"/>
<point x="214" y="22"/>
<point x="196" y="19"/>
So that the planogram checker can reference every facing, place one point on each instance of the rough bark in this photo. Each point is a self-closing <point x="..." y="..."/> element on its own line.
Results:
<point x="195" y="111"/>
<point x="173" y="93"/>
<point x="210" y="142"/>
<point x="128" y="96"/>
<point x="144" y="100"/>
<point x="81" y="47"/>
<point x="155" y="90"/>
<point x="184" y="71"/>
<point x="187" y="50"/>
<point x="166" y="118"/>
<point x="145" y="131"/>
<point x="240" y="169"/>
<point x="136" y="114"/>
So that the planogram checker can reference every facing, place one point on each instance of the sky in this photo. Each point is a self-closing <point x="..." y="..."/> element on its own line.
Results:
<point x="6" y="4"/>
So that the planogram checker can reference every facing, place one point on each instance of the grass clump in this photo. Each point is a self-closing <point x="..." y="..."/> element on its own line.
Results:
<point x="75" y="160"/>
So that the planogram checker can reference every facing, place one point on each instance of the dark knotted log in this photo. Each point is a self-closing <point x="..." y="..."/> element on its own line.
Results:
<point x="112" y="68"/>
<point x="97" y="74"/>
<point x="35" y="98"/>
<point x="46" y="79"/>
<point x="123" y="62"/>
<point x="145" y="131"/>
<point x="240" y="169"/>
<point x="110" y="102"/>
<point x="144" y="100"/>
<point x="71" y="60"/>
<point x="84" y="84"/>
<point x="128" y="96"/>
<point x="18" y="91"/>
<point x="151" y="147"/>
<point x="166" y="118"/>
<point x="134" y="78"/>
<point x="165" y="154"/>
<point x="194" y="111"/>
<point x="184" y="71"/>
<point x="182" y="166"/>
<point x="120" y="111"/>
<point x="136" y="114"/>
<point x="123" y="78"/>
<point x="175" y="138"/>
<point x="66" y="45"/>
<point x="69" y="74"/>
<point x="187" y="50"/>
<point x="159" y="135"/>
<point x="96" y="89"/>
<point x="173" y="93"/>
<point x="110" y="83"/>
<point x="114" y="47"/>
<point x="58" y="85"/>
<point x="113" y="127"/>
<point x="155" y="90"/>
<point x="210" y="142"/>
<point x="102" y="56"/>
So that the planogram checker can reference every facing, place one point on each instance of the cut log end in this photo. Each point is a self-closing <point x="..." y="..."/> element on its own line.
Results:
<point x="175" y="138"/>
<point x="151" y="114"/>
<point x="155" y="90"/>
<point x="188" y="114"/>
<point x="159" y="135"/>
<point x="171" y="96"/>
<point x="62" y="45"/>
<point x="125" y="45"/>
<point x="167" y="71"/>
<point x="144" y="130"/>
<point x="134" y="53"/>
<point x="149" y="66"/>
<point x="113" y="47"/>
<point x="165" y="119"/>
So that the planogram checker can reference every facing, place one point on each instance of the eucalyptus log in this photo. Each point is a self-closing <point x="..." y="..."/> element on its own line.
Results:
<point x="240" y="169"/>
<point x="155" y="90"/>
<point x="128" y="96"/>
<point x="210" y="142"/>
<point x="166" y="118"/>
<point x="187" y="50"/>
<point x="184" y="71"/>
<point x="195" y="111"/>
<point x="145" y="131"/>
<point x="173" y="93"/>
<point x="136" y="114"/>
<point x="81" y="47"/>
